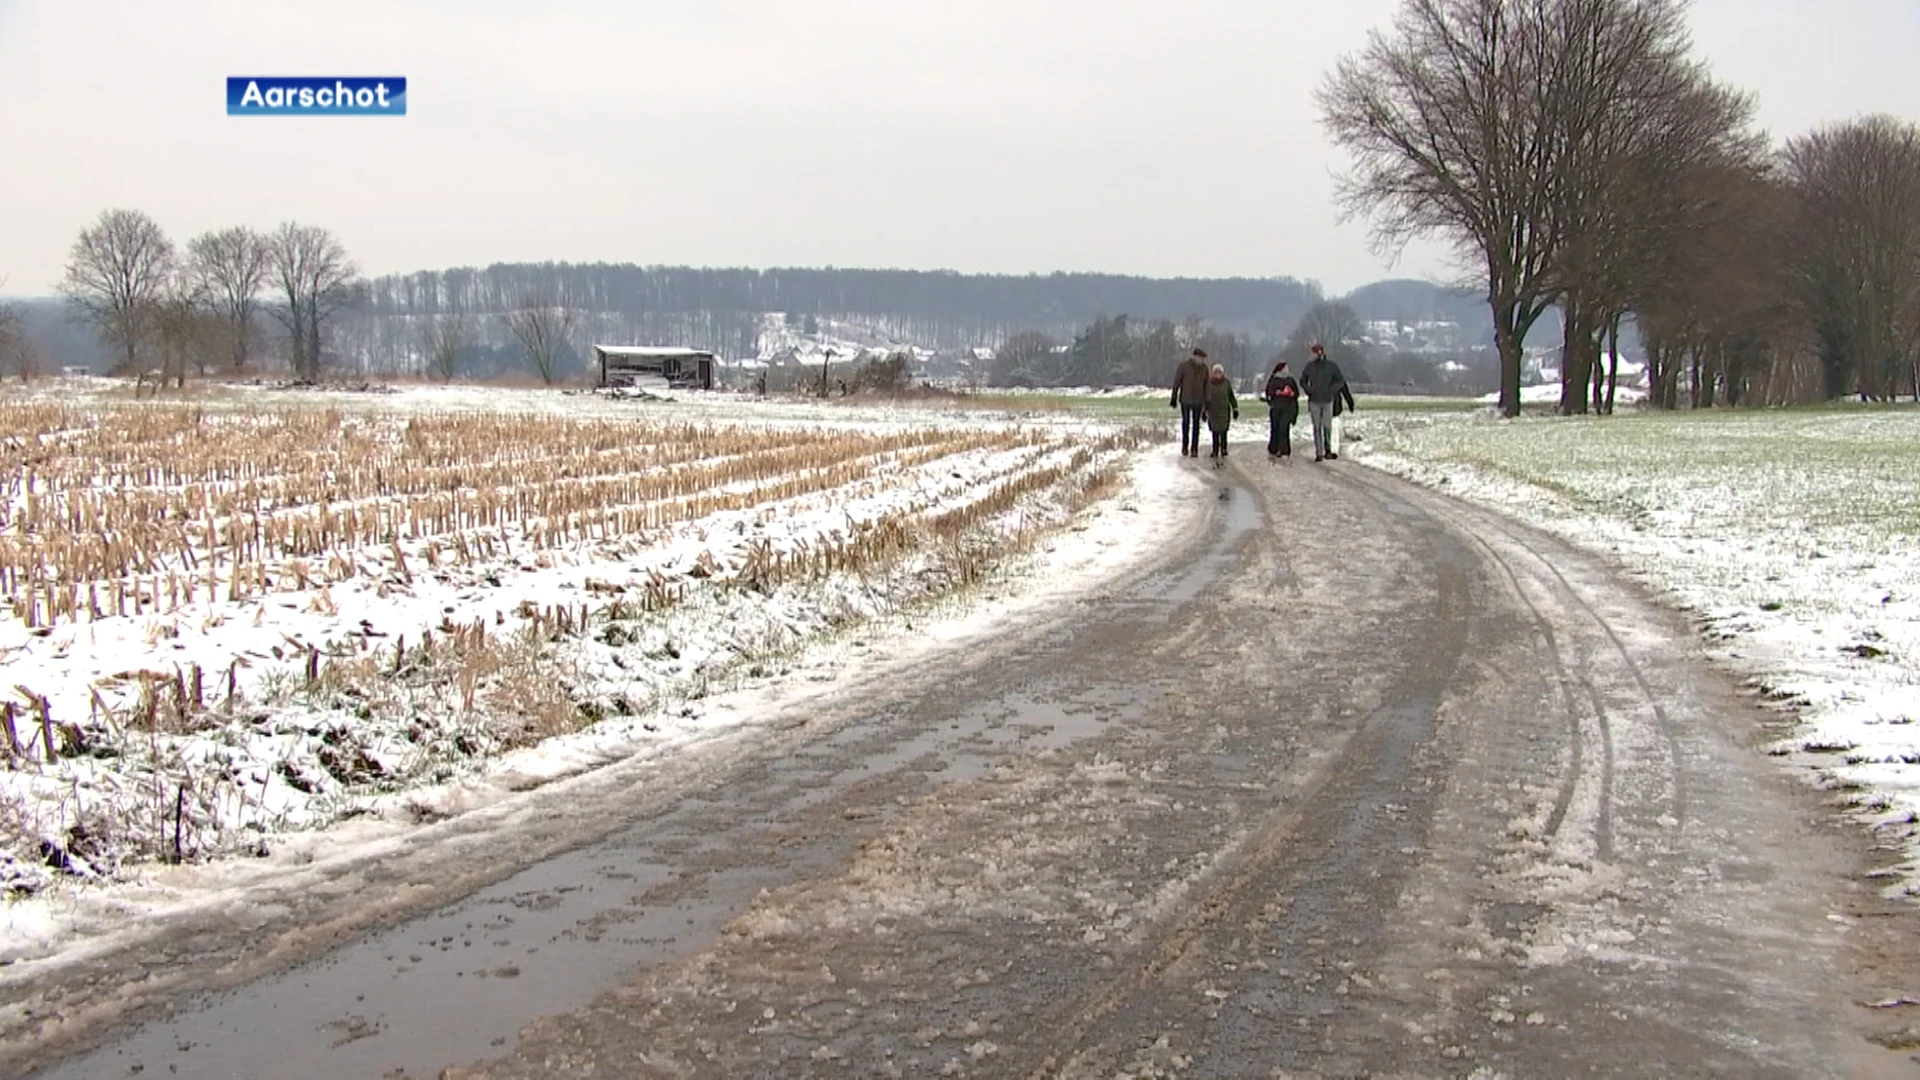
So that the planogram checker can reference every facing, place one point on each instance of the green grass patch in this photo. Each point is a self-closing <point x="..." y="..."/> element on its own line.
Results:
<point x="1810" y="470"/>
<point x="1129" y="406"/>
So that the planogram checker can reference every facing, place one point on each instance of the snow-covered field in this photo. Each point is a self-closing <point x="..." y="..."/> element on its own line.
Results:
<point x="1794" y="535"/>
<point x="239" y="620"/>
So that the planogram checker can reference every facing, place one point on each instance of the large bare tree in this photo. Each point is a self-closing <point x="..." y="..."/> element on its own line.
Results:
<point x="230" y="267"/>
<point x="313" y="278"/>
<point x="541" y="324"/>
<point x="1449" y="119"/>
<point x="1711" y="298"/>
<point x="189" y="332"/>
<point x="1522" y="131"/>
<point x="444" y="338"/>
<point x="1856" y="188"/>
<point x="118" y="268"/>
<point x="1645" y="116"/>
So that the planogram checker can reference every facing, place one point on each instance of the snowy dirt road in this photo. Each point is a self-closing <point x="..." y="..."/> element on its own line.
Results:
<point x="1358" y="781"/>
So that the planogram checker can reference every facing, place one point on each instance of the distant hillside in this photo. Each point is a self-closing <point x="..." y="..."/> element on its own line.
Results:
<point x="57" y="340"/>
<point x="726" y="310"/>
<point x="1408" y="301"/>
<point x="1411" y="302"/>
<point x="721" y="309"/>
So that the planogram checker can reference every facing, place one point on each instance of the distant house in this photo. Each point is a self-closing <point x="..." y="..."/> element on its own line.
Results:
<point x="625" y="365"/>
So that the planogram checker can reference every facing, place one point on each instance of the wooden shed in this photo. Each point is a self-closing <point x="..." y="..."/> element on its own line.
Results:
<point x="624" y="365"/>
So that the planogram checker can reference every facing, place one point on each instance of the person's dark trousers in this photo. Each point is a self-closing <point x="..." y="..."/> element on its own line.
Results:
<point x="1279" y="434"/>
<point x="1192" y="419"/>
<point x="1219" y="444"/>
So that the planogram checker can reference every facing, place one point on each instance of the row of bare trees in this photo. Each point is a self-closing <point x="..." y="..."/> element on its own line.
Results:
<point x="152" y="302"/>
<point x="1580" y="156"/>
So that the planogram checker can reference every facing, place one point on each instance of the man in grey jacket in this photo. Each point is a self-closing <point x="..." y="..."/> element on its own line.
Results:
<point x="1323" y="383"/>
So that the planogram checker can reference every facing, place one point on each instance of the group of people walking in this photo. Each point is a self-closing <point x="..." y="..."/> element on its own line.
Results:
<point x="1204" y="395"/>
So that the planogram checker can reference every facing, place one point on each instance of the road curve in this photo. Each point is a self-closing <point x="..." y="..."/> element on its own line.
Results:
<point x="1359" y="780"/>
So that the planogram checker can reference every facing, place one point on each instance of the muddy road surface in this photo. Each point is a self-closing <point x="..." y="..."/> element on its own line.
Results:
<point x="1354" y="781"/>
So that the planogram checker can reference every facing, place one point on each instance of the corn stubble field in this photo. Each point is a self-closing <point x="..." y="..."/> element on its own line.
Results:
<point x="225" y="623"/>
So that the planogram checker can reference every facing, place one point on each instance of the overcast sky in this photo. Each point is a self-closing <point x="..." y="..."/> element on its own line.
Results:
<point x="1132" y="136"/>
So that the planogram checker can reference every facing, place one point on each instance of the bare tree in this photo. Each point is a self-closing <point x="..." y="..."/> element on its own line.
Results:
<point x="118" y="268"/>
<point x="230" y="267"/>
<point x="1712" y="299"/>
<point x="1491" y="123"/>
<point x="542" y="326"/>
<point x="1856" y="187"/>
<point x="1021" y="358"/>
<point x="1328" y="322"/>
<point x="1449" y="123"/>
<point x="1639" y="115"/>
<point x="179" y="321"/>
<point x="443" y="339"/>
<point x="314" y="278"/>
<point x="14" y="346"/>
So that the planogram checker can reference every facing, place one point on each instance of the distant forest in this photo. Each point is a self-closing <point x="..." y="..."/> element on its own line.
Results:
<point x="720" y="309"/>
<point x="383" y="328"/>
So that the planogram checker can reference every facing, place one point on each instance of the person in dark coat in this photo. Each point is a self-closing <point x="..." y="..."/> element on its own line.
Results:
<point x="1222" y="410"/>
<point x="1190" y="397"/>
<point x="1282" y="395"/>
<point x="1324" y="384"/>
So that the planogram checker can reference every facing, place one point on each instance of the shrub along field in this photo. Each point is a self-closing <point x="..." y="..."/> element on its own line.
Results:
<point x="1795" y="534"/>
<point x="222" y="623"/>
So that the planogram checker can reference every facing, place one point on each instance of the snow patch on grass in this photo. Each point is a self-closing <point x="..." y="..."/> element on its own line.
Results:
<point x="1793" y="535"/>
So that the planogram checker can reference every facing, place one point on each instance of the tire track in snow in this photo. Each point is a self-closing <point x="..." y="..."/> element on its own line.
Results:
<point x="1595" y="809"/>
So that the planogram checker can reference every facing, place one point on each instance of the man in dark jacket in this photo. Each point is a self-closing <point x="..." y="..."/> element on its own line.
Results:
<point x="1190" y="397"/>
<point x="1323" y="383"/>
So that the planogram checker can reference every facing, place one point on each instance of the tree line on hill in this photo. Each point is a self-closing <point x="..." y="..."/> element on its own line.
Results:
<point x="233" y="295"/>
<point x="936" y="309"/>
<point x="1119" y="350"/>
<point x="1582" y="155"/>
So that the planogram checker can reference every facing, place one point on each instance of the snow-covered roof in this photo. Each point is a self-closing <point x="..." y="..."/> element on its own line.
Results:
<point x="650" y="352"/>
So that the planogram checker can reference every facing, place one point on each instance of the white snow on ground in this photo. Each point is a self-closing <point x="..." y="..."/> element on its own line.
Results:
<point x="723" y="660"/>
<point x="1549" y="394"/>
<point x="1794" y="535"/>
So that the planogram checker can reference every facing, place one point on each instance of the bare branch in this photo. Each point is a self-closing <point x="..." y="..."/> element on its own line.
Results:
<point x="118" y="267"/>
<point x="314" y="278"/>
<point x="231" y="266"/>
<point x="542" y="326"/>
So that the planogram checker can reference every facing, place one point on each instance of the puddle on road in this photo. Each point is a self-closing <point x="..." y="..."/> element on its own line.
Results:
<point x="1239" y="515"/>
<point x="1042" y="725"/>
<point x="547" y="939"/>
<point x="457" y="985"/>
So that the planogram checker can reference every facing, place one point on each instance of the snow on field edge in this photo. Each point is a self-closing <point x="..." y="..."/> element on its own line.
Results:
<point x="1824" y="633"/>
<point x="68" y="925"/>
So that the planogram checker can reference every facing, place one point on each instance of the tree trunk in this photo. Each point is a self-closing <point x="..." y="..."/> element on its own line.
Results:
<point x="1576" y="359"/>
<point x="1613" y="364"/>
<point x="313" y="341"/>
<point x="1599" y="369"/>
<point x="1508" y="344"/>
